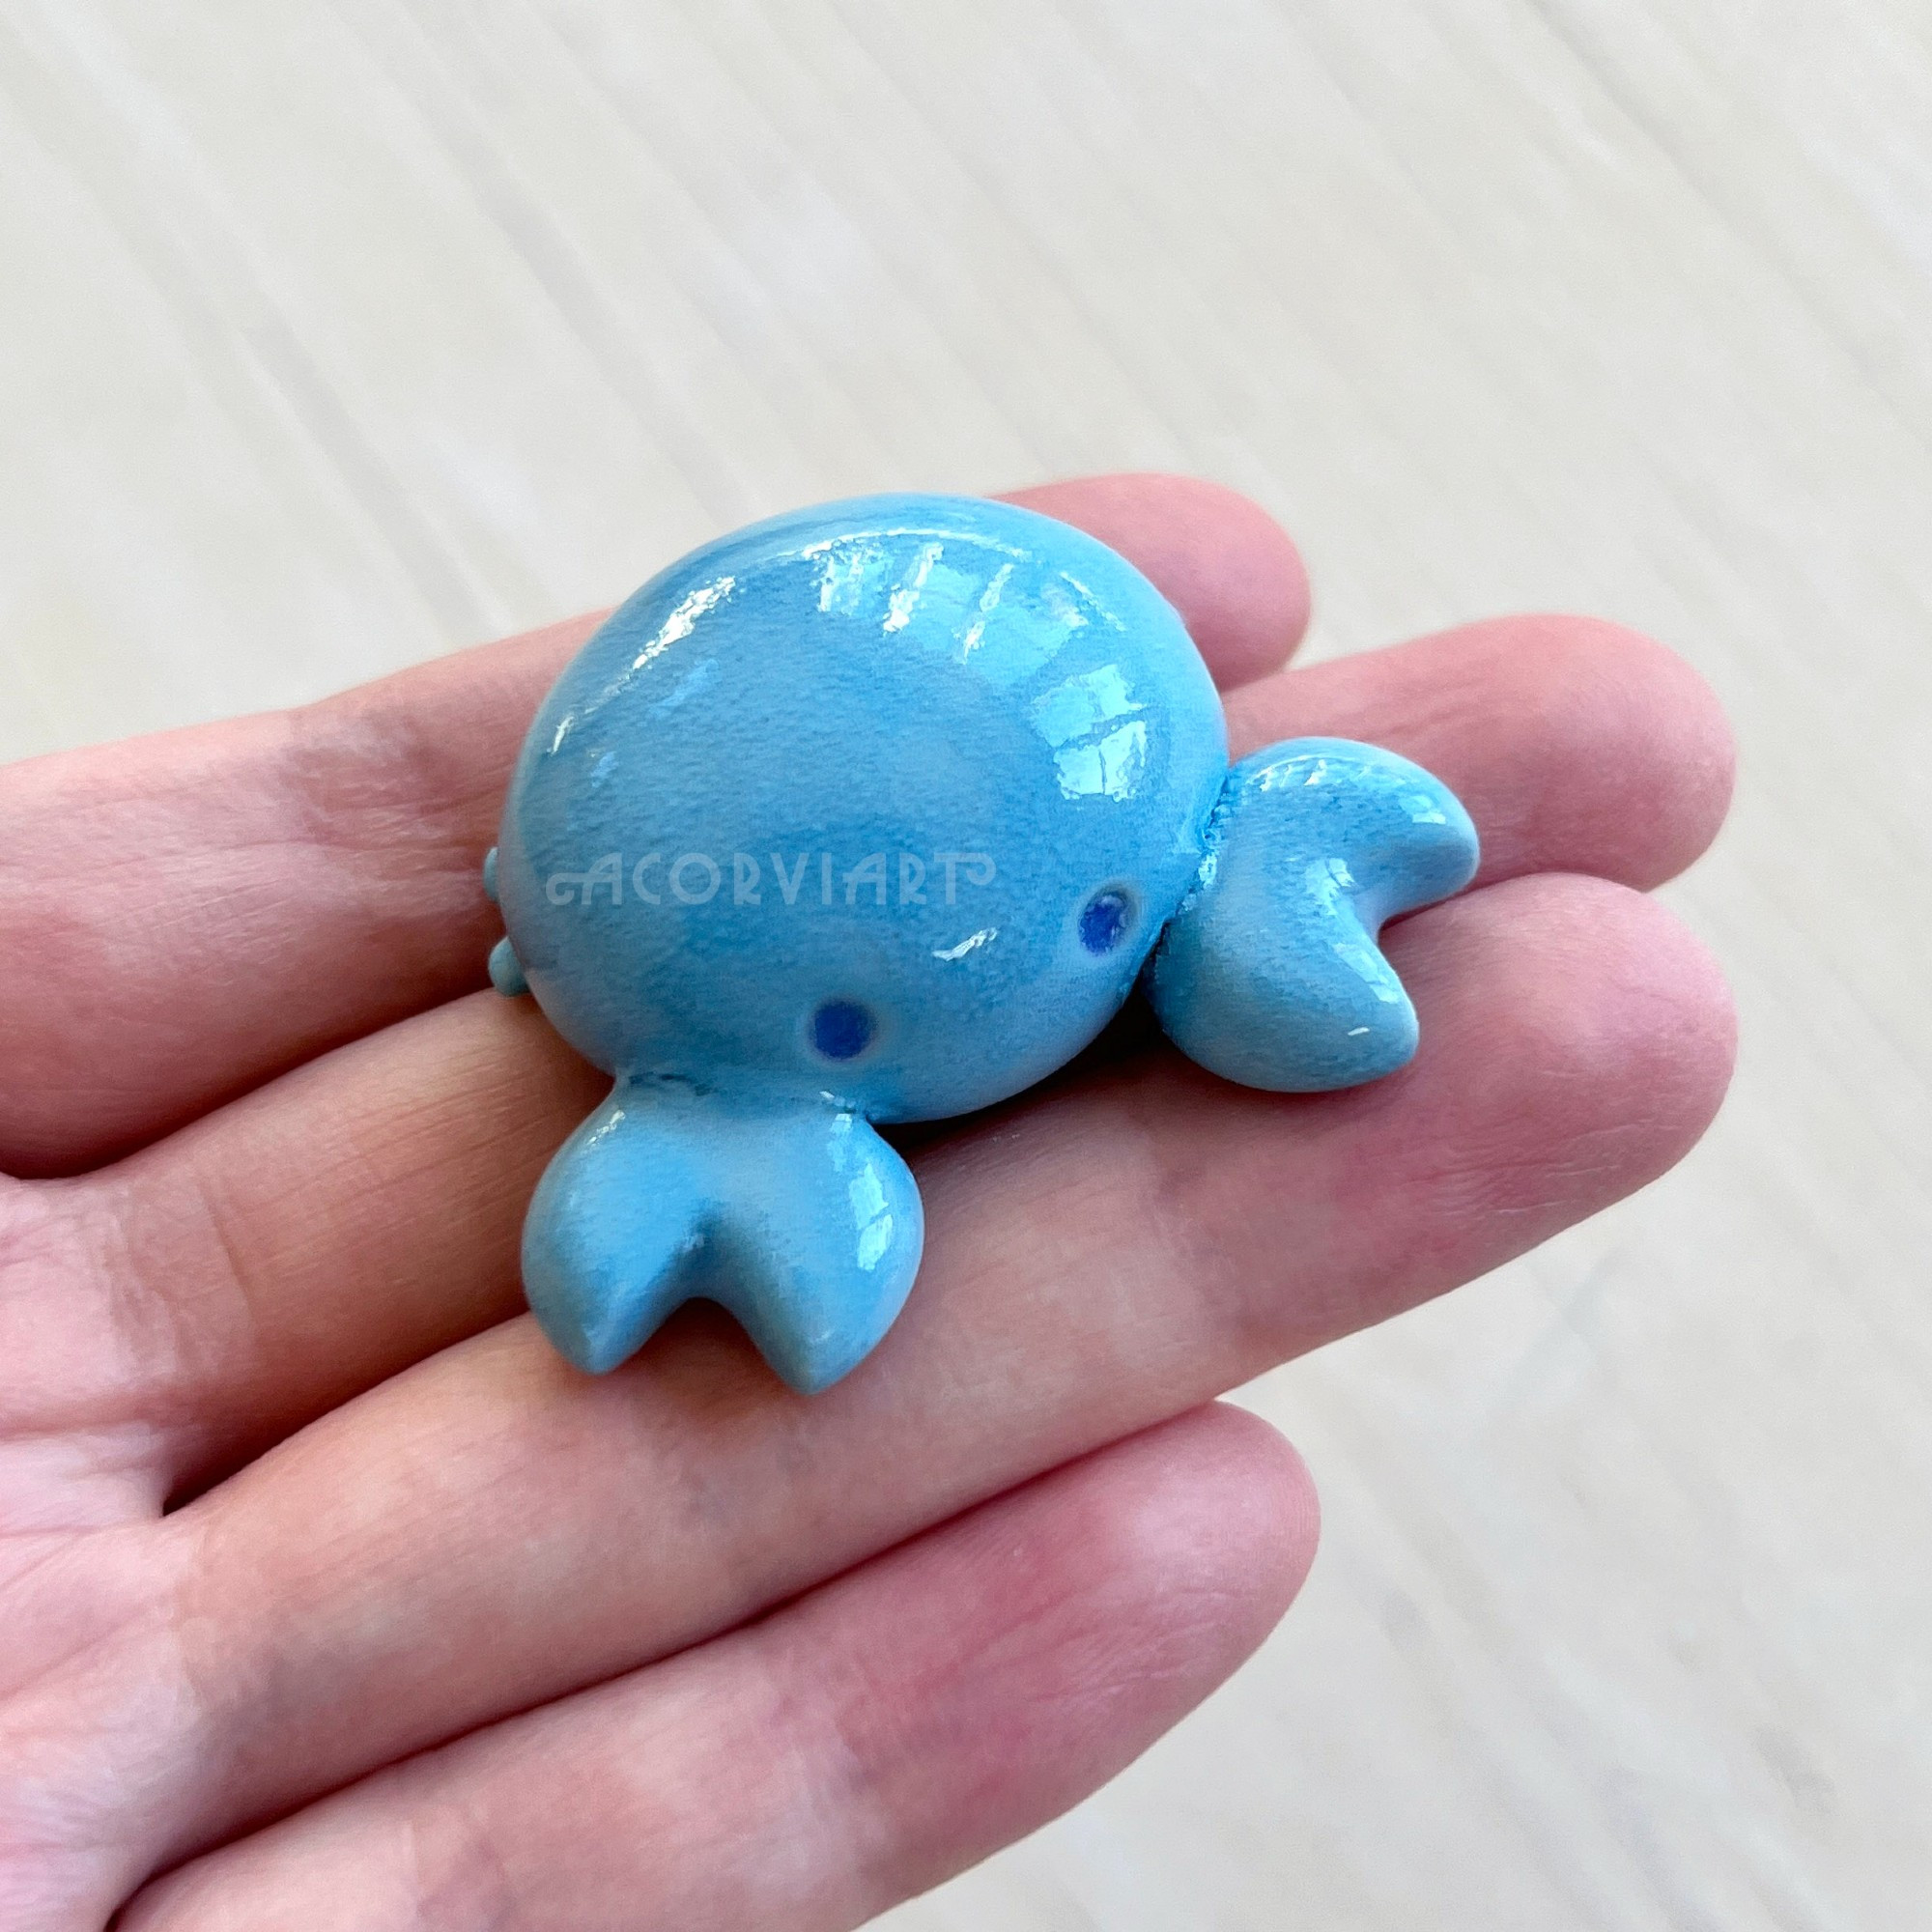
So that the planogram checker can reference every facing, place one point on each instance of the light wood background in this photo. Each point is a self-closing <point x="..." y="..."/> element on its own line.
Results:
<point x="339" y="333"/>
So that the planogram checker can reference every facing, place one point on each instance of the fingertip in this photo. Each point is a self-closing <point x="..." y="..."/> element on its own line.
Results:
<point x="1623" y="1029"/>
<point x="1677" y="1019"/>
<point x="1576" y="744"/>
<point x="1271" y="1508"/>
<point x="1224" y="563"/>
<point x="1218" y="1507"/>
<point x="1655" y="727"/>
<point x="1636" y="756"/>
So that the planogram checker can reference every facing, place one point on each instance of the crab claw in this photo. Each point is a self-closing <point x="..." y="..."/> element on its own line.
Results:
<point x="794" y="1216"/>
<point x="1270" y="973"/>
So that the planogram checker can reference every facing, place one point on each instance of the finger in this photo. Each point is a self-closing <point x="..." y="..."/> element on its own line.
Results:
<point x="185" y="915"/>
<point x="1574" y="743"/>
<point x="1220" y="559"/>
<point x="492" y="1529"/>
<point x="865" y="1743"/>
<point x="308" y="1242"/>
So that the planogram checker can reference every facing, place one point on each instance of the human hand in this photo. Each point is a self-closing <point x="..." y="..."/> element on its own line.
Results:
<point x="699" y="1651"/>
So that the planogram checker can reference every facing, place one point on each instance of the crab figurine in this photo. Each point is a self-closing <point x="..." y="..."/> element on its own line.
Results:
<point x="877" y="813"/>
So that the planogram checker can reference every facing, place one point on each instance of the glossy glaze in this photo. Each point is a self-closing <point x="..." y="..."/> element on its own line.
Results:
<point x="882" y="755"/>
<point x="808" y="1227"/>
<point x="1270" y="973"/>
<point x="875" y="813"/>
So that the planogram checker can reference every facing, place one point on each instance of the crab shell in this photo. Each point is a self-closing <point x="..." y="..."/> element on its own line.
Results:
<point x="883" y="803"/>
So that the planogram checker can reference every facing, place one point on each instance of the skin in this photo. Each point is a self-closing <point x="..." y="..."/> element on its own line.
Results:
<point x="331" y="1598"/>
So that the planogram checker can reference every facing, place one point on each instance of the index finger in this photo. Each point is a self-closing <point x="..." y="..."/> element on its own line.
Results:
<point x="187" y="914"/>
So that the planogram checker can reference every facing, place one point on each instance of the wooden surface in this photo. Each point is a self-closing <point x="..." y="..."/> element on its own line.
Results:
<point x="339" y="333"/>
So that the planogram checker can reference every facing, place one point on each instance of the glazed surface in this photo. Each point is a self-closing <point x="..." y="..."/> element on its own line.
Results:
<point x="885" y="801"/>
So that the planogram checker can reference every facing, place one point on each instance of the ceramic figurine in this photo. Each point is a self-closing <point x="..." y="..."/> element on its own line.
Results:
<point x="877" y="813"/>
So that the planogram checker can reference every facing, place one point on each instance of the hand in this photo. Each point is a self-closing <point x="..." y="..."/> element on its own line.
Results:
<point x="293" y="1495"/>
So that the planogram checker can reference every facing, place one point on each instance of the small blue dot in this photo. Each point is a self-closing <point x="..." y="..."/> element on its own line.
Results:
<point x="842" y="1030"/>
<point x="1104" y="921"/>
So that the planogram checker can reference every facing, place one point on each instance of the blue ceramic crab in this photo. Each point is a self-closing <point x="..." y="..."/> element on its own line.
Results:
<point x="877" y="813"/>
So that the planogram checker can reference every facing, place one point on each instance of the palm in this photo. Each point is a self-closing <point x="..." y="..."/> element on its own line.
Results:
<point x="280" y="1293"/>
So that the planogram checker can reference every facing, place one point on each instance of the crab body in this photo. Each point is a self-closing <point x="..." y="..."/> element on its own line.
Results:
<point x="876" y="812"/>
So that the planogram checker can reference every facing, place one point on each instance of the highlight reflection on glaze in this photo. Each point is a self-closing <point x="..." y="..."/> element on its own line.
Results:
<point x="877" y="813"/>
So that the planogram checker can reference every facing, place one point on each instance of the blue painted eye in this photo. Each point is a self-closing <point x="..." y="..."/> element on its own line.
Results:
<point x="1104" y="921"/>
<point x="842" y="1030"/>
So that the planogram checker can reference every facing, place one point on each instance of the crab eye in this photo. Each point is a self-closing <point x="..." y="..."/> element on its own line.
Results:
<point x="1104" y="919"/>
<point x="842" y="1030"/>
